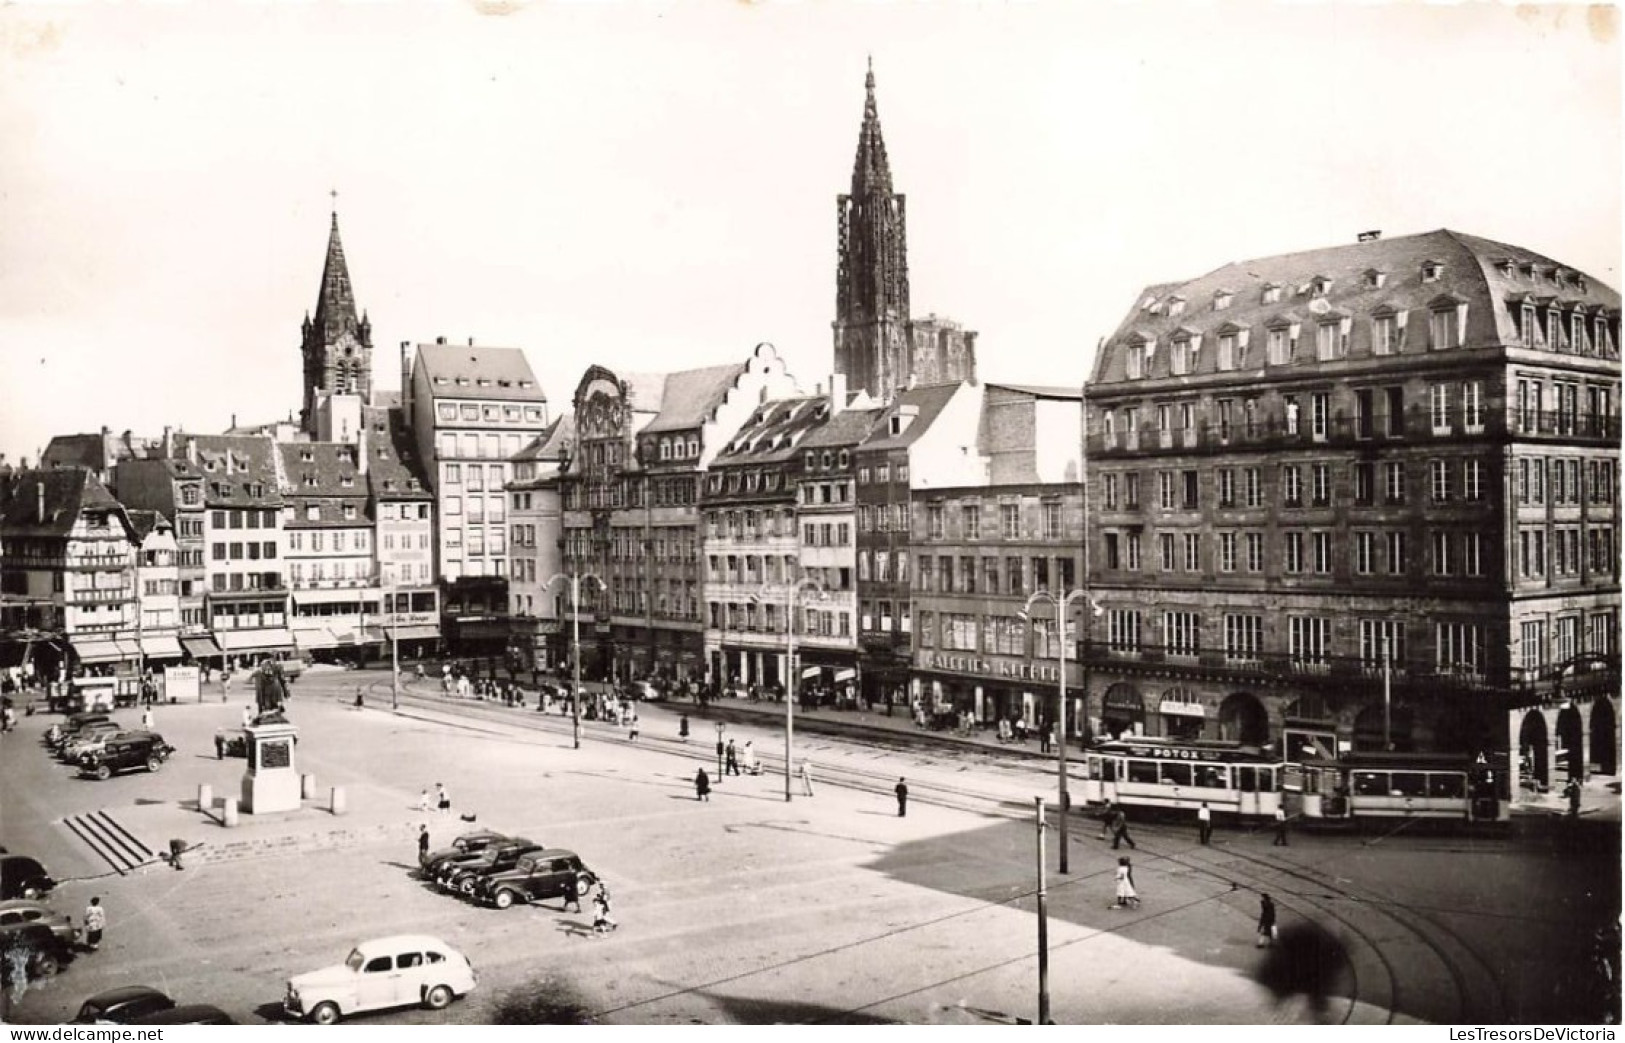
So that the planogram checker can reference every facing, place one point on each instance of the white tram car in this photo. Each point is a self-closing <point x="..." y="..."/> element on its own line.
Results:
<point x="1230" y="778"/>
<point x="1400" y="785"/>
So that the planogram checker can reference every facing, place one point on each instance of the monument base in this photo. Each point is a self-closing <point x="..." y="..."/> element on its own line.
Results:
<point x="272" y="781"/>
<point x="269" y="791"/>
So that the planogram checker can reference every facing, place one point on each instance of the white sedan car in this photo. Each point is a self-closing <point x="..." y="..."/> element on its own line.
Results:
<point x="398" y="971"/>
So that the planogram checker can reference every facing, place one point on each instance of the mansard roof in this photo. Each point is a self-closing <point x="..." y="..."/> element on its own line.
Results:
<point x="1466" y="268"/>
<point x="48" y="503"/>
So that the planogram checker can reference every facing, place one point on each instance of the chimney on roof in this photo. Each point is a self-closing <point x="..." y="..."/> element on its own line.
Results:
<point x="471" y="342"/>
<point x="39" y="499"/>
<point x="234" y="421"/>
<point x="1370" y="237"/>
<point x="440" y="340"/>
<point x="169" y="442"/>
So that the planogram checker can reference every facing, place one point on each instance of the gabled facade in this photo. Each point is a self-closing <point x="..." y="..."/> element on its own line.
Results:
<point x="927" y="437"/>
<point x="535" y="522"/>
<point x="403" y="535"/>
<point x="1401" y="451"/>
<point x="631" y="500"/>
<point x="246" y="606"/>
<point x="173" y="487"/>
<point x="328" y="553"/>
<point x="71" y="556"/>
<point x="157" y="584"/>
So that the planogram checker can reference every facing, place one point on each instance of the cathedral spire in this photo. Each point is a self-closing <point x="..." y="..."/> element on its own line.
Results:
<point x="335" y="302"/>
<point x="871" y="173"/>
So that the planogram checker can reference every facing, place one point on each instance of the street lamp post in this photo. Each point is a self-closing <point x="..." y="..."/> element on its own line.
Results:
<point x="1043" y="922"/>
<point x="394" y="652"/>
<point x="792" y="599"/>
<point x="1062" y="603"/>
<point x="575" y="579"/>
<point x="1387" y="695"/>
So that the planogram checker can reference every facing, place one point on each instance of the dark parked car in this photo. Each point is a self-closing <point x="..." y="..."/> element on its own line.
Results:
<point x="186" y="1014"/>
<point x="123" y="1005"/>
<point x="231" y="742"/>
<point x="24" y="877"/>
<point x="123" y="752"/>
<point x="543" y="874"/>
<point x="450" y="866"/>
<point x="460" y="876"/>
<point x="86" y="734"/>
<point x="70" y="727"/>
<point x="43" y="948"/>
<point x="467" y="844"/>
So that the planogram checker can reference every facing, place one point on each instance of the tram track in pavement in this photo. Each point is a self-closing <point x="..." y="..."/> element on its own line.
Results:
<point x="922" y="789"/>
<point x="1450" y="984"/>
<point x="1447" y="983"/>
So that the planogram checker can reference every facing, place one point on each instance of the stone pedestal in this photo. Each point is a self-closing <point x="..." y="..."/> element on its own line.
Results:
<point x="272" y="781"/>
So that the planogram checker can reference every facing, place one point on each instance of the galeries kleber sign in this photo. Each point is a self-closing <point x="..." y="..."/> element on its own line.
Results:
<point x="1012" y="669"/>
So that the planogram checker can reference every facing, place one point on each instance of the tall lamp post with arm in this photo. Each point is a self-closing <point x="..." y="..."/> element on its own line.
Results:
<point x="792" y="601"/>
<point x="575" y="579"/>
<point x="1062" y="603"/>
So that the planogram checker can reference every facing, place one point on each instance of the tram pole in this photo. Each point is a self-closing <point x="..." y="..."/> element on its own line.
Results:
<point x="1387" y="695"/>
<point x="1043" y="923"/>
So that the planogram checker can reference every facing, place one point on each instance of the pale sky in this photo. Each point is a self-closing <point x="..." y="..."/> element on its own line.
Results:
<point x="652" y="186"/>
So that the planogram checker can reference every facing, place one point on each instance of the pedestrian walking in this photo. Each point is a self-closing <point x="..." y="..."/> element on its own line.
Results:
<point x="442" y="798"/>
<point x="602" y="922"/>
<point x="1107" y="815"/>
<point x="751" y="767"/>
<point x="95" y="924"/>
<point x="902" y="797"/>
<point x="632" y="731"/>
<point x="1204" y="823"/>
<point x="1572" y="791"/>
<point x="702" y="786"/>
<point x="682" y="727"/>
<point x="733" y="758"/>
<point x="806" y="779"/>
<point x="146" y="719"/>
<point x="425" y="802"/>
<point x="1120" y="830"/>
<point x="572" y="895"/>
<point x="1280" y="828"/>
<point x="360" y="700"/>
<point x="1127" y="895"/>
<point x="423" y="843"/>
<point x="1266" y="921"/>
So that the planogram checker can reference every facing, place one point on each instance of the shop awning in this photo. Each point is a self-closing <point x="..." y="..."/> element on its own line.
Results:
<point x="160" y="646"/>
<point x="1180" y="708"/>
<point x="415" y="633"/>
<point x="254" y="640"/>
<point x="98" y="651"/>
<point x="845" y="675"/>
<point x="811" y="671"/>
<point x="319" y="637"/>
<point x="200" y="647"/>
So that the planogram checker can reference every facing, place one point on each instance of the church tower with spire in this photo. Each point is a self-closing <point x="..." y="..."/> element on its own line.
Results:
<point x="336" y="345"/>
<point x="877" y="346"/>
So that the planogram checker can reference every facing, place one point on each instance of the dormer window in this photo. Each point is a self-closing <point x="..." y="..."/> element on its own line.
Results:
<point x="526" y="384"/>
<point x="1527" y="270"/>
<point x="347" y="481"/>
<point x="1447" y="323"/>
<point x="1375" y="278"/>
<point x="1506" y="267"/>
<point x="306" y="456"/>
<point x="1182" y="357"/>
<point x="462" y="382"/>
<point x="1176" y="305"/>
<point x="349" y="512"/>
<point x="1272" y="293"/>
<point x="1221" y="299"/>
<point x="310" y="481"/>
<point x="1579" y="282"/>
<point x="1319" y="285"/>
<point x="1431" y="270"/>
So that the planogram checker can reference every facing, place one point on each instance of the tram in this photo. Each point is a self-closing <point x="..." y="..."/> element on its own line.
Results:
<point x="1230" y="778"/>
<point x="1400" y="785"/>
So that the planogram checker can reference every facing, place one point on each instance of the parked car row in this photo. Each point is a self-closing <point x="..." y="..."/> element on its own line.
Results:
<point x="34" y="935"/>
<point x="143" y="1005"/>
<point x="101" y="747"/>
<point x="499" y="870"/>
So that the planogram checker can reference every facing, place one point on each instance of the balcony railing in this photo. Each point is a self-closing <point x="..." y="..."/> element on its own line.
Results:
<point x="1285" y="665"/>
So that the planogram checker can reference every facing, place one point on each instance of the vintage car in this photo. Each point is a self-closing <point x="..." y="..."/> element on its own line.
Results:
<point x="123" y="752"/>
<point x="389" y="972"/>
<point x="61" y="733"/>
<point x="231" y="742"/>
<point x="46" y="936"/>
<point x="447" y="867"/>
<point x="32" y="949"/>
<point x="459" y="876"/>
<point x="553" y="873"/>
<point x="466" y="844"/>
<point x="640" y="690"/>
<point x="24" y="877"/>
<point x="186" y="1014"/>
<point x="122" y="1005"/>
<point x="85" y="738"/>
